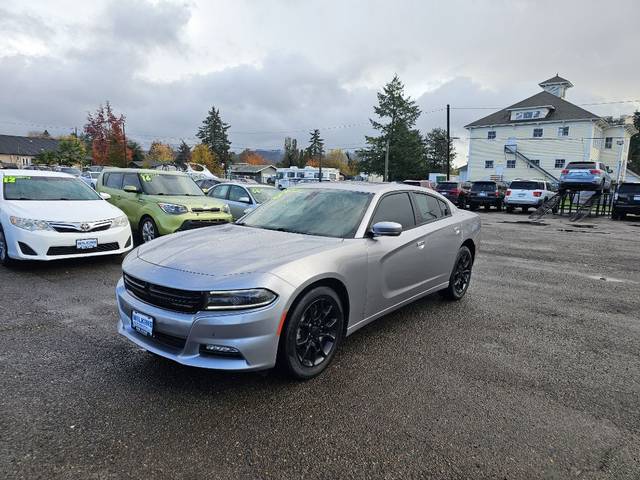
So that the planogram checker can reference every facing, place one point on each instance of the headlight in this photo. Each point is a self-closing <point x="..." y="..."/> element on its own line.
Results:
<point x="29" y="224"/>
<point x="226" y="209"/>
<point x="120" y="222"/>
<point x="173" y="209"/>
<point x="239" y="299"/>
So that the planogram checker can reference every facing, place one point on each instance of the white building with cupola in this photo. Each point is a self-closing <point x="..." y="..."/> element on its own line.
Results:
<point x="536" y="137"/>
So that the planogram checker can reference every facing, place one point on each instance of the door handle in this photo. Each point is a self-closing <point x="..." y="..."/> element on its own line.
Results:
<point x="420" y="244"/>
<point x="456" y="230"/>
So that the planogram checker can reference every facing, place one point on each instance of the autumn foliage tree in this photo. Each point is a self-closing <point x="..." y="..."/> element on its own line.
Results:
<point x="252" y="158"/>
<point x="203" y="155"/>
<point x="160" y="152"/>
<point x="104" y="131"/>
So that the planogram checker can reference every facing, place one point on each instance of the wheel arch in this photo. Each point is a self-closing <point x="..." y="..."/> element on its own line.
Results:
<point x="469" y="243"/>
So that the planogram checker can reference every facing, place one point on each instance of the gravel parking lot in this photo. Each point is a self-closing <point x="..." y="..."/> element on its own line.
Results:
<point x="534" y="374"/>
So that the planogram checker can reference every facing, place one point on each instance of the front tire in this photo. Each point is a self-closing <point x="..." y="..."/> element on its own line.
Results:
<point x="5" y="259"/>
<point x="148" y="230"/>
<point x="460" y="276"/>
<point x="312" y="334"/>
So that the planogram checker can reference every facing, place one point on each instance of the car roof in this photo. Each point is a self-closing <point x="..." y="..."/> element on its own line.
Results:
<point x="142" y="170"/>
<point x="368" y="187"/>
<point x="246" y="185"/>
<point x="34" y="173"/>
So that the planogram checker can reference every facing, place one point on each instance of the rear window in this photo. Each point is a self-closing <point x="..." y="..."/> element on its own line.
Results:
<point x="629" y="188"/>
<point x="447" y="186"/>
<point x="483" y="186"/>
<point x="581" y="166"/>
<point x="519" y="185"/>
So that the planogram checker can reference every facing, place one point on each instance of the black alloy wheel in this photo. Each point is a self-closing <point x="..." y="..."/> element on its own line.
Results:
<point x="460" y="276"/>
<point x="312" y="333"/>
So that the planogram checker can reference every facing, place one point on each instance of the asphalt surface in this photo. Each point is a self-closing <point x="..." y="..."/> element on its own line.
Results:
<point x="534" y="374"/>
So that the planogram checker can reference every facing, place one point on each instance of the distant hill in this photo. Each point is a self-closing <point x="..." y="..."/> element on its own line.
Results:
<point x="271" y="156"/>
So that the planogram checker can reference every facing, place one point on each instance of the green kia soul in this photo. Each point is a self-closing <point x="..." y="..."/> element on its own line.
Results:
<point x="159" y="202"/>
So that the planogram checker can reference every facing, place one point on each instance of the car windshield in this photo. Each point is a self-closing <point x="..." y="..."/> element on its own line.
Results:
<point x="629" y="188"/>
<point x="446" y="186"/>
<point x="163" y="184"/>
<point x="312" y="211"/>
<point x="46" y="188"/>
<point x="525" y="186"/>
<point x="72" y="171"/>
<point x="263" y="194"/>
<point x="483" y="187"/>
<point x="581" y="166"/>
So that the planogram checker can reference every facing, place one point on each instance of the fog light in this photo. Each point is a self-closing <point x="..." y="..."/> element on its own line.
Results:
<point x="221" y="349"/>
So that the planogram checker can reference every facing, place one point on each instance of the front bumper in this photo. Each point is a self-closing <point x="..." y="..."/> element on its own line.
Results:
<point x="175" y="223"/>
<point x="50" y="245"/>
<point x="181" y="336"/>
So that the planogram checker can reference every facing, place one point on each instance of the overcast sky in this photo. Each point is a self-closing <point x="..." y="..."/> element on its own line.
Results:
<point x="277" y="68"/>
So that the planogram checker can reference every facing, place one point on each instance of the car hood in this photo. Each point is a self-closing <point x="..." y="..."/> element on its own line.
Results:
<point x="191" y="202"/>
<point x="63" y="210"/>
<point x="231" y="250"/>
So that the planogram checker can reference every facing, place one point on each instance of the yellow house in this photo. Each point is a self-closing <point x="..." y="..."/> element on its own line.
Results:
<point x="537" y="137"/>
<point x="19" y="152"/>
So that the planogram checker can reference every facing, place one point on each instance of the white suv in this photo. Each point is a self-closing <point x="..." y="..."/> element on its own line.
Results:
<point x="527" y="193"/>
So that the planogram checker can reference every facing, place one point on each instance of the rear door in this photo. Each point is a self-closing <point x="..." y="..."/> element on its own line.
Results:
<point x="112" y="184"/>
<point x="131" y="203"/>
<point x="396" y="272"/>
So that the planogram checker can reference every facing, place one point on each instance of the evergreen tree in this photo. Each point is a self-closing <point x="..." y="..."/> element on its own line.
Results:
<point x="290" y="157"/>
<point x="137" y="153"/>
<point x="435" y="150"/>
<point x="184" y="153"/>
<point x="634" y="147"/>
<point x="315" y="150"/>
<point x="213" y="133"/>
<point x="406" y="153"/>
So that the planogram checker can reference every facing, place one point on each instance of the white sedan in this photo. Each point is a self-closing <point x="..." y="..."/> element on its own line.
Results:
<point x="50" y="215"/>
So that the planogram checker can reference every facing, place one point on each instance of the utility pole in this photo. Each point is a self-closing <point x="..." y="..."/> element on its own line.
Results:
<point x="448" y="145"/>
<point x="386" y="151"/>
<point x="124" y="144"/>
<point x="320" y="167"/>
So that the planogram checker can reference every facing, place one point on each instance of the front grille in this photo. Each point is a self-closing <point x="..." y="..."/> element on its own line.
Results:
<point x="165" y="297"/>
<point x="169" y="340"/>
<point x="202" y="209"/>
<point x="104" y="247"/>
<point x="191" y="224"/>
<point x="75" y="227"/>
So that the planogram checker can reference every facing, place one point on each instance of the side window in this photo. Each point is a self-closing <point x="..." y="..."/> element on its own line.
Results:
<point x="114" y="180"/>
<point x="220" y="191"/>
<point x="395" y="208"/>
<point x="445" y="208"/>
<point x="132" y="180"/>
<point x="236" y="193"/>
<point x="429" y="208"/>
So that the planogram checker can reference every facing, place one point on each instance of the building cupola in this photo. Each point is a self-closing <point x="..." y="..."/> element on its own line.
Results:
<point x="556" y="85"/>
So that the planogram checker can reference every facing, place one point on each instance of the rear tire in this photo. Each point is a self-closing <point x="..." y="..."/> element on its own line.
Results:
<point x="509" y="209"/>
<point x="473" y="207"/>
<point x="487" y="207"/>
<point x="499" y="206"/>
<point x="312" y="334"/>
<point x="615" y="215"/>
<point x="460" y="277"/>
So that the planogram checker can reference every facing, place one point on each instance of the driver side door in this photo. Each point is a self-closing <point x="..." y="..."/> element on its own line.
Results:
<point x="395" y="269"/>
<point x="239" y="201"/>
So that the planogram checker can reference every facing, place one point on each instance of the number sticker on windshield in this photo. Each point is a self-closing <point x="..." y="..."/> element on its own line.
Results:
<point x="12" y="179"/>
<point x="147" y="177"/>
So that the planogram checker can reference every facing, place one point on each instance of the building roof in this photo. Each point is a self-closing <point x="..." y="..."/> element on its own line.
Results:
<point x="15" y="145"/>
<point x="562" y="110"/>
<point x="553" y="80"/>
<point x="246" y="168"/>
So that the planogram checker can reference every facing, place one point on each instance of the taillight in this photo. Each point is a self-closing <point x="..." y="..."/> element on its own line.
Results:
<point x="497" y="193"/>
<point x="595" y="172"/>
<point x="455" y="191"/>
<point x="564" y="172"/>
<point x="508" y="193"/>
<point x="537" y="194"/>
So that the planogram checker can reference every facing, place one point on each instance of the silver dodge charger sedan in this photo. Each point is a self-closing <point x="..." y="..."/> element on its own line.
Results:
<point x="290" y="280"/>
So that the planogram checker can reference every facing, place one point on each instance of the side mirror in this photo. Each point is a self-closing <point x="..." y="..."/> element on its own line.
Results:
<point x="131" y="189"/>
<point x="244" y="200"/>
<point x="386" y="229"/>
<point x="205" y="190"/>
<point x="609" y="170"/>
<point x="105" y="196"/>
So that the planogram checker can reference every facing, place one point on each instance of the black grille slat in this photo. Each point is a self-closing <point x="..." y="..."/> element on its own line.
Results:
<point x="61" y="229"/>
<point x="165" y="297"/>
<point x="105" y="247"/>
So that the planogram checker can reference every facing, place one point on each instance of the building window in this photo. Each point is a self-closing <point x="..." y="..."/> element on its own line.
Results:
<point x="511" y="164"/>
<point x="563" y="131"/>
<point x="488" y="164"/>
<point x="559" y="163"/>
<point x="537" y="132"/>
<point x="608" y="142"/>
<point x="491" y="134"/>
<point x="535" y="162"/>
